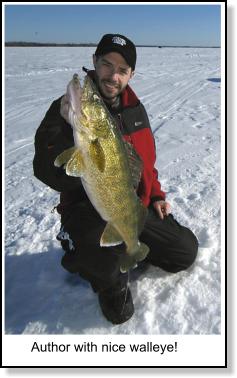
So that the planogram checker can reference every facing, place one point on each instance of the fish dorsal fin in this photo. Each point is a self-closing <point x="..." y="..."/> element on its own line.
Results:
<point x="135" y="163"/>
<point x="110" y="236"/>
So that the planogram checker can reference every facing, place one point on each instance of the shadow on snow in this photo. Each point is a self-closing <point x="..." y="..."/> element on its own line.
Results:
<point x="42" y="296"/>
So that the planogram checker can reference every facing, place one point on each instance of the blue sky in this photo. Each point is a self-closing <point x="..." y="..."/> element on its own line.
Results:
<point x="193" y="25"/>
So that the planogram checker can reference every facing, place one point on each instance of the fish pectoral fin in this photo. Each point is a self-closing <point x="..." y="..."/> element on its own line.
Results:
<point x="110" y="236"/>
<point x="97" y="155"/>
<point x="130" y="259"/>
<point x="75" y="166"/>
<point x="64" y="157"/>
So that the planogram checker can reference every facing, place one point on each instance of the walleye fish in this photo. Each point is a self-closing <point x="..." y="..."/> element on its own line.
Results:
<point x="100" y="158"/>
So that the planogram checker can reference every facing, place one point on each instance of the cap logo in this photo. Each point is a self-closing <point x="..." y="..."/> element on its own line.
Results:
<point x="119" y="41"/>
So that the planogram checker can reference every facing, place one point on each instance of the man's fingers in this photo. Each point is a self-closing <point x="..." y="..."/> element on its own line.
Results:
<point x="159" y="210"/>
<point x="161" y="215"/>
<point x="64" y="108"/>
<point x="162" y="208"/>
<point x="168" y="209"/>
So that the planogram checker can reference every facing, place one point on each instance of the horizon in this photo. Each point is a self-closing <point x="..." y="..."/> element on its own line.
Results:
<point x="92" y="44"/>
<point x="152" y="25"/>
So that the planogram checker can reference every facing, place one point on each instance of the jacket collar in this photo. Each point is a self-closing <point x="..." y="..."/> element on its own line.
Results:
<point x="128" y="97"/>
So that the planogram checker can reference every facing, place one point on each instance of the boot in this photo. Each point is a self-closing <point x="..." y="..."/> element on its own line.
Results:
<point x="116" y="304"/>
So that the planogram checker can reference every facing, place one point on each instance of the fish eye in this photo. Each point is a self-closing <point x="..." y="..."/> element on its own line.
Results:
<point x="95" y="97"/>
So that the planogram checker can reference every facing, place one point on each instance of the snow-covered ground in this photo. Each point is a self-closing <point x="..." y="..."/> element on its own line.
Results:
<point x="180" y="89"/>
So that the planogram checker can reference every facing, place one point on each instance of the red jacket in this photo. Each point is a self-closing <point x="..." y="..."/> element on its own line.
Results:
<point x="139" y="134"/>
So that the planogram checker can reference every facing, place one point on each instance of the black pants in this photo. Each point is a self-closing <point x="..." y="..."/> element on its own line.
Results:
<point x="172" y="246"/>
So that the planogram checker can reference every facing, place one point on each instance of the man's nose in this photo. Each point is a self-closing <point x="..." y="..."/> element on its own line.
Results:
<point x="114" y="74"/>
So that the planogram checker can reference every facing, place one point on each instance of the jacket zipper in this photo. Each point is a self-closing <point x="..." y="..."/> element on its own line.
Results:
<point x="122" y="128"/>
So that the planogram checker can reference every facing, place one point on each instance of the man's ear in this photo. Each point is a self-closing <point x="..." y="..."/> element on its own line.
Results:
<point x="132" y="74"/>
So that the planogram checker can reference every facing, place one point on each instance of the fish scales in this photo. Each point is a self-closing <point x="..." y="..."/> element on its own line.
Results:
<point x="101" y="160"/>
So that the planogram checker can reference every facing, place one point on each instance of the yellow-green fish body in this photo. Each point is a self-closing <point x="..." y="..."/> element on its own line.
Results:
<point x="100" y="158"/>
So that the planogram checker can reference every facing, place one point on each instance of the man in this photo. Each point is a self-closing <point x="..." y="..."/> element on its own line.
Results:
<point x="172" y="246"/>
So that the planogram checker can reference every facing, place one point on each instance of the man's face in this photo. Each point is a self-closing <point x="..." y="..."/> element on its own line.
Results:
<point x="113" y="74"/>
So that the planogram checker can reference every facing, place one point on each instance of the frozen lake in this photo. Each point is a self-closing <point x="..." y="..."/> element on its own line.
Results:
<point x="181" y="90"/>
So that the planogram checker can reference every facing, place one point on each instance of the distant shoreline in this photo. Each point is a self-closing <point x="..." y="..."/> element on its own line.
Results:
<point x="38" y="44"/>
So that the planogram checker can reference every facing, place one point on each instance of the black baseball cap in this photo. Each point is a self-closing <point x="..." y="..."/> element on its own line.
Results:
<point x="118" y="43"/>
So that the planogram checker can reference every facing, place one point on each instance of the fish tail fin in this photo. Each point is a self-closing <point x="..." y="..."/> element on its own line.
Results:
<point x="130" y="259"/>
<point x="141" y="252"/>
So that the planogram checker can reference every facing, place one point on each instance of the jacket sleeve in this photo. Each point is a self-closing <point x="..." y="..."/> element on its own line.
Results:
<point x="156" y="193"/>
<point x="53" y="136"/>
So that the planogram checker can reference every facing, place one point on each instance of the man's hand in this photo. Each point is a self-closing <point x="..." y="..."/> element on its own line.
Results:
<point x="163" y="208"/>
<point x="64" y="108"/>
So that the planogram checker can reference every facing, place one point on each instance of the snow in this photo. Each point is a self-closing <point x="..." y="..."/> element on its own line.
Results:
<point x="181" y="90"/>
